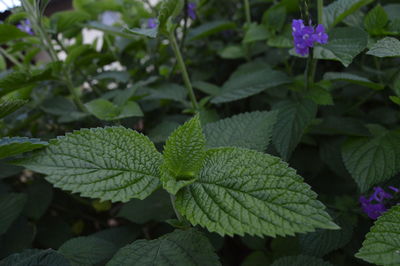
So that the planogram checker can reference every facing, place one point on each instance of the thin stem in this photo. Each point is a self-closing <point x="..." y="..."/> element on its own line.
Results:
<point x="320" y="10"/>
<point x="178" y="215"/>
<point x="309" y="76"/>
<point x="73" y="92"/>
<point x="10" y="57"/>
<point x="183" y="69"/>
<point x="247" y="11"/>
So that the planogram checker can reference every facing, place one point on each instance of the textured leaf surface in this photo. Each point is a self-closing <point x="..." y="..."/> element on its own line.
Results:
<point x="11" y="205"/>
<point x="35" y="257"/>
<point x="242" y="191"/>
<point x="340" y="9"/>
<point x="386" y="47"/>
<point x="382" y="243"/>
<point x="184" y="152"/>
<point x="112" y="163"/>
<point x="293" y="118"/>
<point x="376" y="20"/>
<point x="179" y="248"/>
<point x="9" y="106"/>
<point x="17" y="145"/>
<point x="301" y="260"/>
<point x="87" y="250"/>
<point x="371" y="160"/>
<point x="247" y="130"/>
<point x="248" y="80"/>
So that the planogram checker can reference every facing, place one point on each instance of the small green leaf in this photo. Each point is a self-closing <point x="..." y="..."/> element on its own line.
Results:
<point x="179" y="248"/>
<point x="300" y="260"/>
<point x="340" y="9"/>
<point x="168" y="11"/>
<point x="248" y="130"/>
<point x="382" y="243"/>
<point x="10" y="33"/>
<point x="293" y="118"/>
<point x="386" y="47"/>
<point x="119" y="31"/>
<point x="112" y="163"/>
<point x="32" y="257"/>
<point x="232" y="52"/>
<point x="372" y="160"/>
<point x="9" y="106"/>
<point x="11" y="205"/>
<point x="183" y="155"/>
<point x="241" y="191"/>
<point x="86" y="251"/>
<point x="210" y="28"/>
<point x="106" y="110"/>
<point x="250" y="79"/>
<point x="255" y="33"/>
<point x="352" y="78"/>
<point x="151" y="33"/>
<point x="13" y="146"/>
<point x="376" y="20"/>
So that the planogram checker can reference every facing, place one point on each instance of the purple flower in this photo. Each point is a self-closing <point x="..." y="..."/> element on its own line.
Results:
<point x="25" y="26"/>
<point x="305" y="36"/>
<point x="191" y="10"/>
<point x="372" y="210"/>
<point x="396" y="190"/>
<point x="380" y="194"/>
<point x="151" y="23"/>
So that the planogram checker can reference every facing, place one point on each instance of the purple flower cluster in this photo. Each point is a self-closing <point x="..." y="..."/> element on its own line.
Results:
<point x="374" y="206"/>
<point x="151" y="23"/>
<point x="25" y="26"/>
<point x="305" y="36"/>
<point x="191" y="10"/>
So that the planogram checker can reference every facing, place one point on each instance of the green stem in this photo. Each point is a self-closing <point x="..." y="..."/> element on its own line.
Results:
<point x="309" y="75"/>
<point x="10" y="57"/>
<point x="247" y="11"/>
<point x="320" y="10"/>
<point x="184" y="71"/>
<point x="178" y="215"/>
<point x="74" y="93"/>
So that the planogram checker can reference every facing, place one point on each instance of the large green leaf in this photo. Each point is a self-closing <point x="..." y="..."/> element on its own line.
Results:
<point x="340" y="9"/>
<point x="372" y="160"/>
<point x="248" y="130"/>
<point x="35" y="257"/>
<point x="9" y="106"/>
<point x="179" y="248"/>
<point x="293" y="118"/>
<point x="183" y="155"/>
<point x="82" y="251"/>
<point x="241" y="191"/>
<point x="386" y="47"/>
<point x="209" y="28"/>
<point x="248" y="80"/>
<point x="112" y="163"/>
<point x="382" y="243"/>
<point x="11" y="205"/>
<point x="17" y="145"/>
<point x="301" y="260"/>
<point x="344" y="45"/>
<point x="10" y="32"/>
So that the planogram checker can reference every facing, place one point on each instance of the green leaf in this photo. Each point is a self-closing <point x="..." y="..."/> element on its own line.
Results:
<point x="376" y="20"/>
<point x="255" y="33"/>
<point x="157" y="207"/>
<point x="34" y="257"/>
<point x="82" y="251"/>
<point x="183" y="155"/>
<point x="293" y="118"/>
<point x="66" y="20"/>
<point x="320" y="96"/>
<point x="106" y="110"/>
<point x="382" y="243"/>
<point x="112" y="163"/>
<point x="344" y="45"/>
<point x="248" y="130"/>
<point x="40" y="195"/>
<point x="386" y="47"/>
<point x="13" y="146"/>
<point x="169" y="9"/>
<point x="9" y="106"/>
<point x="151" y="33"/>
<point x="352" y="78"/>
<point x="10" y="33"/>
<point x="210" y="28"/>
<point x="241" y="191"/>
<point x="167" y="91"/>
<point x="179" y="248"/>
<point x="372" y="160"/>
<point x="275" y="17"/>
<point x="300" y="260"/>
<point x="248" y="80"/>
<point x="11" y="205"/>
<point x="118" y="31"/>
<point x="340" y="9"/>
<point x="206" y="87"/>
